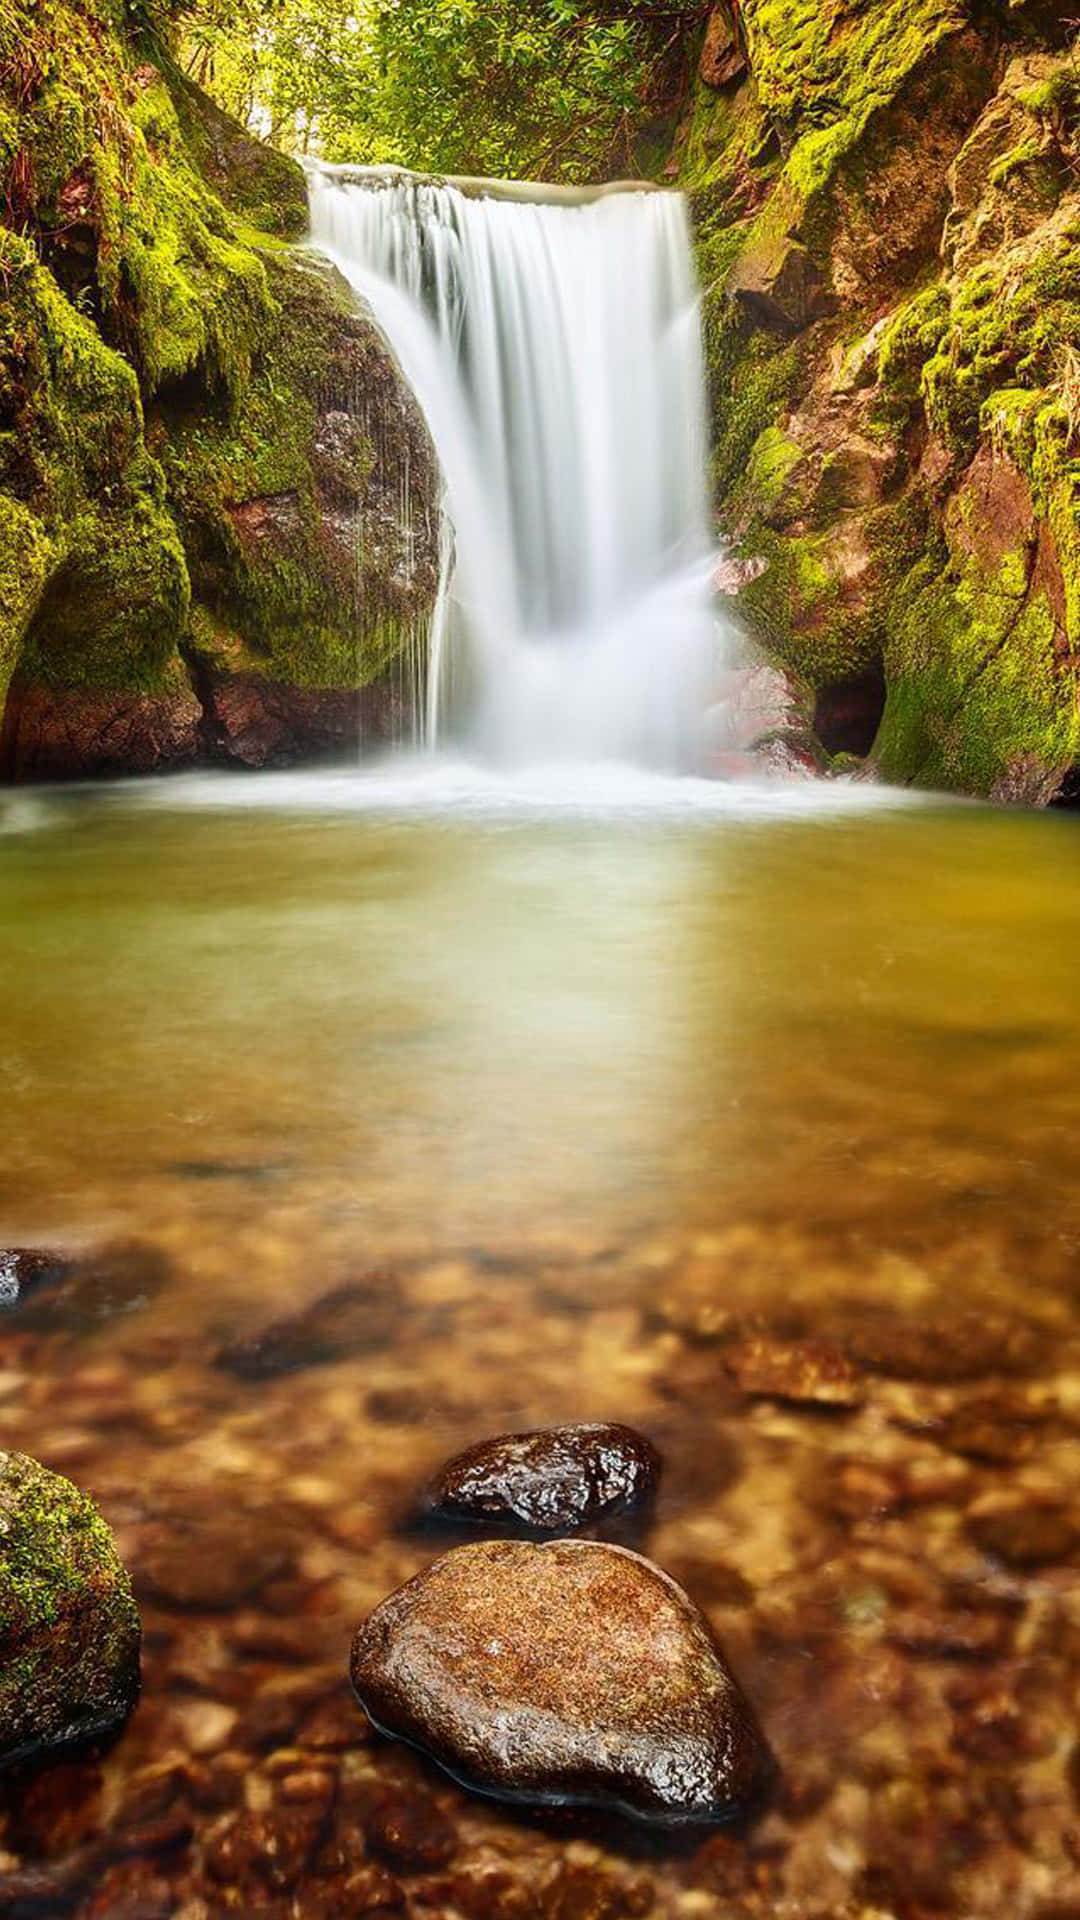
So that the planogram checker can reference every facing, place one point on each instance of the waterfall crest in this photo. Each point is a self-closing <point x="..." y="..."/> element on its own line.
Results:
<point x="555" y="349"/>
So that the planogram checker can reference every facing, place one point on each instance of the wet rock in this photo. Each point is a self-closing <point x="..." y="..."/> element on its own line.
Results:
<point x="362" y="1317"/>
<point x="56" y="733"/>
<point x="551" y="1481"/>
<point x="23" y="1270"/>
<point x="1026" y="1533"/>
<point x="571" y="1672"/>
<point x="69" y="1632"/>
<point x="804" y="1372"/>
<point x="82" y="1294"/>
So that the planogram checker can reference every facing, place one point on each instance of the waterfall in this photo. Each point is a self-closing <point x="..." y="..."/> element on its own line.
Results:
<point x="554" y="346"/>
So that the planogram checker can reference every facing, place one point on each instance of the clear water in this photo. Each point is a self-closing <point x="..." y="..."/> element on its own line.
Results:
<point x="579" y="1078"/>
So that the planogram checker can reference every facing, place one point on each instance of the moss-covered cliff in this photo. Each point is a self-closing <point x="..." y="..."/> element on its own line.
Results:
<point x="207" y="540"/>
<point x="888" y="207"/>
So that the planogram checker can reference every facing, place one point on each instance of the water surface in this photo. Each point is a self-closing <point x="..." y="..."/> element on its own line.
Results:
<point x="600" y="1083"/>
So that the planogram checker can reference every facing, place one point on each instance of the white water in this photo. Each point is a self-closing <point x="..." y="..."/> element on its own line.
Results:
<point x="555" y="350"/>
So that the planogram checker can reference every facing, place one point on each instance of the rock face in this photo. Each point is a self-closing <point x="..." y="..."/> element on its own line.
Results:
<point x="887" y="212"/>
<point x="69" y="1632"/>
<point x="569" y="1672"/>
<point x="551" y="1481"/>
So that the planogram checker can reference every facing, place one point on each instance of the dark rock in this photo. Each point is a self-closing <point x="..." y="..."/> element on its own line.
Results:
<point x="69" y="1632"/>
<point x="551" y="1481"/>
<point x="804" y="1372"/>
<point x="258" y="722"/>
<point x="23" y="1270"/>
<point x="571" y="1672"/>
<point x="80" y="1295"/>
<point x="362" y="1317"/>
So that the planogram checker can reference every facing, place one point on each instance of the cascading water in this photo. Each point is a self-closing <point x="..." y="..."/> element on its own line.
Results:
<point x="554" y="345"/>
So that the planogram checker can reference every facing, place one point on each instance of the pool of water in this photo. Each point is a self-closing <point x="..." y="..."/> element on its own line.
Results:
<point x="586" y="1089"/>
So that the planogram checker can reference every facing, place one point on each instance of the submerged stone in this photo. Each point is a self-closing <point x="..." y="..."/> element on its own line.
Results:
<point x="69" y="1631"/>
<point x="567" y="1672"/>
<point x="80" y="1294"/>
<point x="362" y="1317"/>
<point x="24" y="1269"/>
<point x="802" y="1372"/>
<point x="552" y="1480"/>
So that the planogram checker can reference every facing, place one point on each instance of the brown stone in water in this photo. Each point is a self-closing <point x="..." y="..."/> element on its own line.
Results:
<point x="969" y="1346"/>
<point x="805" y="1372"/>
<point x="551" y="1481"/>
<point x="571" y="1672"/>
<point x="364" y="1316"/>
<point x="409" y="1831"/>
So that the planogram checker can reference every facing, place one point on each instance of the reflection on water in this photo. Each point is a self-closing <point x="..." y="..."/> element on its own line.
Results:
<point x="603" y="1091"/>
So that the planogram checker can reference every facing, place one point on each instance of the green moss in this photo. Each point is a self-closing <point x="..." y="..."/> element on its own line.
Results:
<point x="976" y="687"/>
<point x="69" y="1631"/>
<point x="25" y="553"/>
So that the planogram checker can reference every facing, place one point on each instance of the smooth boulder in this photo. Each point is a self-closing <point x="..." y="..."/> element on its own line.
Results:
<point x="69" y="1630"/>
<point x="568" y="1672"/>
<point x="552" y="1481"/>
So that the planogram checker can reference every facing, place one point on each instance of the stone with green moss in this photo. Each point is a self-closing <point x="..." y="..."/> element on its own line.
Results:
<point x="69" y="1630"/>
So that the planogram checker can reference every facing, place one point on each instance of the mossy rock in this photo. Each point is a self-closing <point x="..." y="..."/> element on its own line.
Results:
<point x="264" y="187"/>
<point x="69" y="1630"/>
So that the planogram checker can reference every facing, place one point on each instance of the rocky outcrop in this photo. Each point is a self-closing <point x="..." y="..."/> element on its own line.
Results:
<point x="69" y="1632"/>
<point x="217" y="500"/>
<point x="888" y="219"/>
<point x="573" y="1672"/>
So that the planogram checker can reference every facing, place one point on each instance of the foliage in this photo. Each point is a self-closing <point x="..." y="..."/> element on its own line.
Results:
<point x="560" y="89"/>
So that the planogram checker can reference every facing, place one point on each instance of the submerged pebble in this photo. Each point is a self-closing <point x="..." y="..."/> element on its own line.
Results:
<point x="566" y="1672"/>
<point x="24" y="1269"/>
<point x="364" y="1316"/>
<point x="551" y="1481"/>
<point x="803" y="1372"/>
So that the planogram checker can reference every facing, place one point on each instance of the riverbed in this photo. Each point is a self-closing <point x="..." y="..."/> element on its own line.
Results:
<point x="603" y="1099"/>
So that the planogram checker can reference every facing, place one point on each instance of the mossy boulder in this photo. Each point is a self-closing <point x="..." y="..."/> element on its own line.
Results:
<point x="69" y="1630"/>
<point x="210" y="471"/>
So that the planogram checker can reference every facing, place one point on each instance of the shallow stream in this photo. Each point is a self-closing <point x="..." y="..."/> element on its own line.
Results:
<point x="587" y="1097"/>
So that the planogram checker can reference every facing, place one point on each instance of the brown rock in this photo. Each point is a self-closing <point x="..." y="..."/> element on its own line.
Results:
<point x="967" y="1346"/>
<point x="569" y="1672"/>
<point x="779" y="288"/>
<point x="551" y="1481"/>
<point x="257" y="722"/>
<point x="722" y="57"/>
<point x="58" y="734"/>
<point x="805" y="1372"/>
